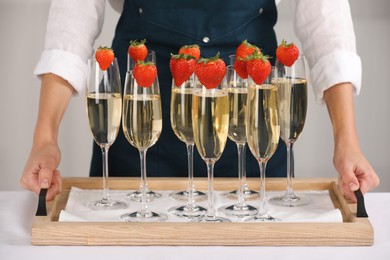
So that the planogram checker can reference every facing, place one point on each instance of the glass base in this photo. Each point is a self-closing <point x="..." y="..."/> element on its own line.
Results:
<point x="213" y="219"/>
<point x="137" y="196"/>
<point x="105" y="204"/>
<point x="289" y="200"/>
<point x="183" y="196"/>
<point x="148" y="216"/>
<point x="248" y="194"/>
<point x="239" y="210"/>
<point x="262" y="218"/>
<point x="188" y="211"/>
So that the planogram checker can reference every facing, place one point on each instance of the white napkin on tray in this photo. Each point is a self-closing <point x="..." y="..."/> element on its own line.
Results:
<point x="320" y="209"/>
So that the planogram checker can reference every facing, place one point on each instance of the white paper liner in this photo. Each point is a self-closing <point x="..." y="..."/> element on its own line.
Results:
<point x="320" y="209"/>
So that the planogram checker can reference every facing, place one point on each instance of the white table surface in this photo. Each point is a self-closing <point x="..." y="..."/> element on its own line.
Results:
<point x="17" y="209"/>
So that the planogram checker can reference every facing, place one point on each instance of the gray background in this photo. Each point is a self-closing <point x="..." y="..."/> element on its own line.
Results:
<point x="22" y="31"/>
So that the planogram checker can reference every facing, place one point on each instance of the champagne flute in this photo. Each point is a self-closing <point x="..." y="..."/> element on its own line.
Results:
<point x="247" y="193"/>
<point x="104" y="107"/>
<point x="263" y="131"/>
<point x="292" y="87"/>
<point x="237" y="92"/>
<point x="210" y="118"/>
<point x="136" y="195"/>
<point x="142" y="126"/>
<point x="181" y="122"/>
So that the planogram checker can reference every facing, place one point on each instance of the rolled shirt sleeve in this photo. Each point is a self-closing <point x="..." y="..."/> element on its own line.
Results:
<point x="72" y="29"/>
<point x="325" y="30"/>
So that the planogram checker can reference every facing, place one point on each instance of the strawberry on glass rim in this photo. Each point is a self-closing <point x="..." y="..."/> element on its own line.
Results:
<point x="145" y="73"/>
<point x="246" y="49"/>
<point x="193" y="50"/>
<point x="287" y="53"/>
<point x="243" y="51"/>
<point x="258" y="67"/>
<point x="210" y="71"/>
<point x="138" y="50"/>
<point x="104" y="57"/>
<point x="182" y="67"/>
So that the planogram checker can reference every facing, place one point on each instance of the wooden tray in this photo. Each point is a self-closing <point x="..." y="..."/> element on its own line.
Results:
<point x="46" y="230"/>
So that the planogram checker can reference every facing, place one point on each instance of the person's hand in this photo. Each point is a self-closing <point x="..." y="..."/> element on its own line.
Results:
<point x="354" y="171"/>
<point x="41" y="171"/>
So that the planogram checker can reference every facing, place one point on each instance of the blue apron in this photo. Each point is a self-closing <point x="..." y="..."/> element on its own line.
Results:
<point x="216" y="26"/>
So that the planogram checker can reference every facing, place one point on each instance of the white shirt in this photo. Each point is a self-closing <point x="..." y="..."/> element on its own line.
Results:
<point x="324" y="28"/>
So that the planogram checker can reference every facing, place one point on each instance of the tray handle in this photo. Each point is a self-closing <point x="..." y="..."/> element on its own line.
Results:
<point x="41" y="210"/>
<point x="361" y="208"/>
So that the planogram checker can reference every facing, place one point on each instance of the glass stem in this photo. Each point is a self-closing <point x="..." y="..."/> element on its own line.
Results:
<point x="262" y="209"/>
<point x="191" y="186"/>
<point x="144" y="205"/>
<point x="241" y="169"/>
<point x="290" y="162"/>
<point x="244" y="184"/>
<point x="106" y="196"/>
<point x="292" y="174"/>
<point x="210" y="195"/>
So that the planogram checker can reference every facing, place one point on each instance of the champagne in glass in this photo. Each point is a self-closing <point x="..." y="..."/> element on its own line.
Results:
<point x="142" y="133"/>
<point x="104" y="107"/>
<point x="104" y="114"/>
<point x="181" y="119"/>
<point x="292" y="87"/>
<point x="142" y="126"/>
<point x="210" y="115"/>
<point x="181" y="122"/>
<point x="237" y="93"/>
<point x="263" y="131"/>
<point x="211" y="119"/>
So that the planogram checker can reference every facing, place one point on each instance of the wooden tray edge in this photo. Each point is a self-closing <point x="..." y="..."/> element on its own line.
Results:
<point x="352" y="232"/>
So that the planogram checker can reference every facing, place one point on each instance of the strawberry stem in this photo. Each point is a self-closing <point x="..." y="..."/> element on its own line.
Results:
<point x="104" y="48"/>
<point x="285" y="44"/>
<point x="137" y="42"/>
<point x="249" y="45"/>
<point x="143" y="63"/>
<point x="258" y="56"/>
<point x="190" y="46"/>
<point x="206" y="60"/>
<point x="182" y="56"/>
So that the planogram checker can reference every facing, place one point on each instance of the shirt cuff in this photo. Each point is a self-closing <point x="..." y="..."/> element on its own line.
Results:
<point x="65" y="64"/>
<point x="336" y="67"/>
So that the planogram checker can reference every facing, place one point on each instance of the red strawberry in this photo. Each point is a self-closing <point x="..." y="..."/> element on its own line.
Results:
<point x="145" y="73"/>
<point x="211" y="71"/>
<point x="258" y="67"/>
<point x="287" y="54"/>
<point x="193" y="50"/>
<point x="138" y="50"/>
<point x="182" y="66"/>
<point x="240" y="68"/>
<point x="243" y="51"/>
<point x="104" y="56"/>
